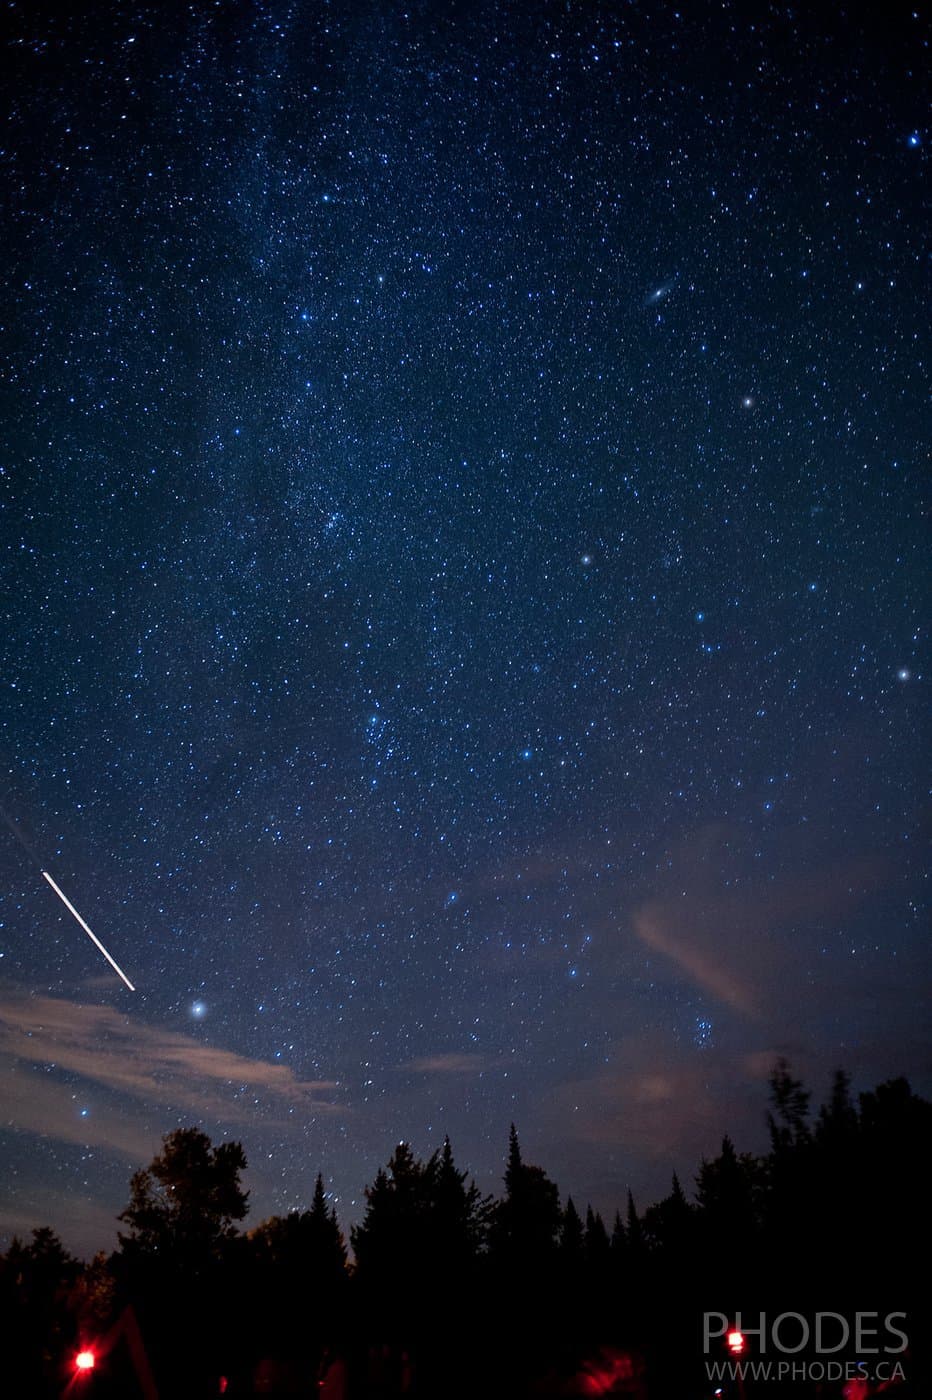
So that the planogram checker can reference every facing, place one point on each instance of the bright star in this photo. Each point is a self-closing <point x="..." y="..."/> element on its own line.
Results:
<point x="198" y="1010"/>
<point x="702" y="1035"/>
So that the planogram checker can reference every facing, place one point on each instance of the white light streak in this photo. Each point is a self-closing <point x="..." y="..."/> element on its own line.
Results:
<point x="89" y="931"/>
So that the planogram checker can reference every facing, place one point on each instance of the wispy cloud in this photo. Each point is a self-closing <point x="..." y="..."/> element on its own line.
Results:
<point x="36" y="1102"/>
<point x="702" y="957"/>
<point x="88" y="1220"/>
<point x="659" y="1104"/>
<point x="735" y="943"/>
<point x="159" y="1068"/>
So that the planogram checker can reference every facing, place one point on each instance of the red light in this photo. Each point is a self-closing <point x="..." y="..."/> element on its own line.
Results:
<point x="735" y="1342"/>
<point x="85" y="1361"/>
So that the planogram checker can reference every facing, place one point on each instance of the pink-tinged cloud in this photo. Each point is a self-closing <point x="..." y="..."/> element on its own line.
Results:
<point x="733" y="943"/>
<point x="36" y="1102"/>
<point x="157" y="1067"/>
<point x="705" y="961"/>
<point x="658" y="1104"/>
<point x="87" y="1219"/>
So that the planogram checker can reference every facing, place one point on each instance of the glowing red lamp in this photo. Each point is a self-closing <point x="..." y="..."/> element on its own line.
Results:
<point x="735" y="1342"/>
<point x="85" y="1361"/>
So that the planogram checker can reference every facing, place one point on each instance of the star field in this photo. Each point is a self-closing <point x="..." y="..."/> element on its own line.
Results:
<point x="462" y="639"/>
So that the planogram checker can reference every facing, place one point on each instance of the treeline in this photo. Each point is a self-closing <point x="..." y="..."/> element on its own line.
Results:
<point x="451" y="1293"/>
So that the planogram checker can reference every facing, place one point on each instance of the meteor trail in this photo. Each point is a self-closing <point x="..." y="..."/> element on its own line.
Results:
<point x="15" y="831"/>
<point x="89" y="931"/>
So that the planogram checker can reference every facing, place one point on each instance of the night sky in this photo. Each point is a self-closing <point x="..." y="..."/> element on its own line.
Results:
<point x="463" y="584"/>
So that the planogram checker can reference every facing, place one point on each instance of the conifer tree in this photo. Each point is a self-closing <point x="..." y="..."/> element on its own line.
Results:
<point x="527" y="1222"/>
<point x="571" y="1237"/>
<point x="788" y="1123"/>
<point x="598" y="1249"/>
<point x="634" y="1232"/>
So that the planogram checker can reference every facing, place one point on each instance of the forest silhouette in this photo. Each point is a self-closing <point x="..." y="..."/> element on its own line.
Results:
<point x="443" y="1292"/>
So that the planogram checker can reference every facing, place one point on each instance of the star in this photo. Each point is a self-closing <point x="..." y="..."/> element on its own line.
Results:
<point x="394" y="603"/>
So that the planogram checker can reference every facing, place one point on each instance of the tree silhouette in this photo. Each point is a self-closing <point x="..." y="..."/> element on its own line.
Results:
<point x="185" y="1203"/>
<point x="36" y="1280"/>
<point x="726" y="1189"/>
<point x="458" y="1212"/>
<point x="417" y="1250"/>
<point x="527" y="1288"/>
<point x="527" y="1222"/>
<point x="304" y="1246"/>
<point x="730" y="1197"/>
<point x="892" y="1171"/>
<point x="597" y="1245"/>
<point x="788" y="1121"/>
<point x="668" y="1224"/>
<point x="180" y="1260"/>
<point x="837" y="1122"/>
<point x="452" y="1294"/>
<point x="425" y="1217"/>
<point x="634" y="1234"/>
<point x="392" y="1238"/>
<point x="298" y="1282"/>
<point x="572" y="1239"/>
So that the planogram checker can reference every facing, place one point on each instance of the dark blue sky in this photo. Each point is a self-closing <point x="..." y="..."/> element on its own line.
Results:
<point x="462" y="583"/>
